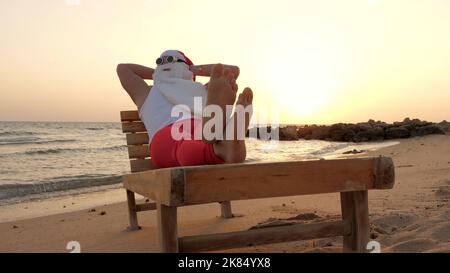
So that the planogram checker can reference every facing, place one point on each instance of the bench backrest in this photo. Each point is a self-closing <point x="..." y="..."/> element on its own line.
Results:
<point x="137" y="141"/>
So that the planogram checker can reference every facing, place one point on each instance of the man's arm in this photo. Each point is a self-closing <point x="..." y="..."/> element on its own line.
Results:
<point x="132" y="77"/>
<point x="205" y="70"/>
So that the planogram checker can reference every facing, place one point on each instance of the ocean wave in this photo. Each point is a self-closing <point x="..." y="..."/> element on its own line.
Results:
<point x="68" y="150"/>
<point x="19" y="133"/>
<point x="49" y="151"/>
<point x="95" y="129"/>
<point x="8" y="191"/>
<point x="53" y="151"/>
<point x="329" y="149"/>
<point x="24" y="141"/>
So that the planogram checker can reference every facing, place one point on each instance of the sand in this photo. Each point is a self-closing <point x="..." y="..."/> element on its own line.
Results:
<point x="412" y="217"/>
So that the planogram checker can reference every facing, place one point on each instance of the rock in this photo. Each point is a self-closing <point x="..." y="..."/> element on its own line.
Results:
<point x="362" y="136"/>
<point x="417" y="122"/>
<point x="364" y="131"/>
<point x="397" y="132"/>
<point x="321" y="133"/>
<point x="304" y="131"/>
<point x="337" y="132"/>
<point x="362" y="126"/>
<point x="445" y="126"/>
<point x="252" y="132"/>
<point x="427" y="130"/>
<point x="376" y="133"/>
<point x="304" y="217"/>
<point x="289" y="133"/>
<point x="411" y="124"/>
<point x="349" y="135"/>
<point x="354" y="151"/>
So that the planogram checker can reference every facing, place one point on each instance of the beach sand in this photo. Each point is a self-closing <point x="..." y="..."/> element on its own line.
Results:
<point x="412" y="217"/>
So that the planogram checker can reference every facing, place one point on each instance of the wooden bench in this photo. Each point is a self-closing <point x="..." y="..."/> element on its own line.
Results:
<point x="174" y="187"/>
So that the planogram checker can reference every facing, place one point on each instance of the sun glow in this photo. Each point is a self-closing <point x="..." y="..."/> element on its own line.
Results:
<point x="304" y="84"/>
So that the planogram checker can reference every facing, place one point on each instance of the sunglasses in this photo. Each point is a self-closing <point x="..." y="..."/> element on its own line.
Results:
<point x="168" y="60"/>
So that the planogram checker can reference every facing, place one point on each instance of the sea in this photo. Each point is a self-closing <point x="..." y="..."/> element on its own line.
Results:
<point x="49" y="159"/>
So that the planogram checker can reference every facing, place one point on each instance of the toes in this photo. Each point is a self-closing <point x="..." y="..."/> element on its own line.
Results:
<point x="217" y="71"/>
<point x="248" y="94"/>
<point x="240" y="99"/>
<point x="226" y="74"/>
<point x="235" y="87"/>
<point x="229" y="76"/>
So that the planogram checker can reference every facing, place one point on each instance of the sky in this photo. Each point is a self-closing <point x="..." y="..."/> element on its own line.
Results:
<point x="306" y="61"/>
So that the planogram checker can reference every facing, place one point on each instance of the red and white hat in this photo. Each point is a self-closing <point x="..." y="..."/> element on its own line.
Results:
<point x="178" y="54"/>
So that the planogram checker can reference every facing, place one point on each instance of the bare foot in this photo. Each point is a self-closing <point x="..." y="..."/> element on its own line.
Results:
<point x="222" y="90"/>
<point x="246" y="99"/>
<point x="233" y="150"/>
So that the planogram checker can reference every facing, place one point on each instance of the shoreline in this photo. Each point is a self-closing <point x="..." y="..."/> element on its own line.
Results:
<point x="412" y="217"/>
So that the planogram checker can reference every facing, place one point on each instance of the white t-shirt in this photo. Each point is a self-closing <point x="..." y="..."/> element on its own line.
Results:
<point x="156" y="112"/>
<point x="174" y="88"/>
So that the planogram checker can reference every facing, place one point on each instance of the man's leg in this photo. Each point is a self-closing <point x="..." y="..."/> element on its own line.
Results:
<point x="233" y="150"/>
<point x="222" y="92"/>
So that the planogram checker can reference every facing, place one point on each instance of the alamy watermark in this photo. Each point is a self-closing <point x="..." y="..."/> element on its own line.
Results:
<point x="230" y="124"/>
<point x="371" y="247"/>
<point x="73" y="247"/>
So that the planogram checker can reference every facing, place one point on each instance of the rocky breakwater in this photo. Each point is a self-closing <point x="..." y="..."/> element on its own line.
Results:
<point x="358" y="132"/>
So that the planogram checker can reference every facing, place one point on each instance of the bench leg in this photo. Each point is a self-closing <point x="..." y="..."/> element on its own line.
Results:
<point x="355" y="210"/>
<point x="167" y="228"/>
<point x="132" y="211"/>
<point x="225" y="208"/>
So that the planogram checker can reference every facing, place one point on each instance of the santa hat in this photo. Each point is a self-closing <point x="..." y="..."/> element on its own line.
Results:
<point x="178" y="54"/>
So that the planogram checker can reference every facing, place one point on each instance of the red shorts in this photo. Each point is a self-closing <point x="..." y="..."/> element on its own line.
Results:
<point x="181" y="149"/>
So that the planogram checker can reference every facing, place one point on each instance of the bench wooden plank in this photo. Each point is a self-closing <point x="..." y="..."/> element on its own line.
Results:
<point x="137" y="139"/>
<point x="133" y="127"/>
<point x="138" y="151"/>
<point x="217" y="183"/>
<point x="162" y="185"/>
<point x="130" y="115"/>
<point x="141" y="165"/>
<point x="145" y="207"/>
<point x="262" y="236"/>
<point x="250" y="181"/>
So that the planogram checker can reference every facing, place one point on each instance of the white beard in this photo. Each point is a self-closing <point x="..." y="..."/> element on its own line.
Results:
<point x="178" y="87"/>
<point x="177" y="71"/>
